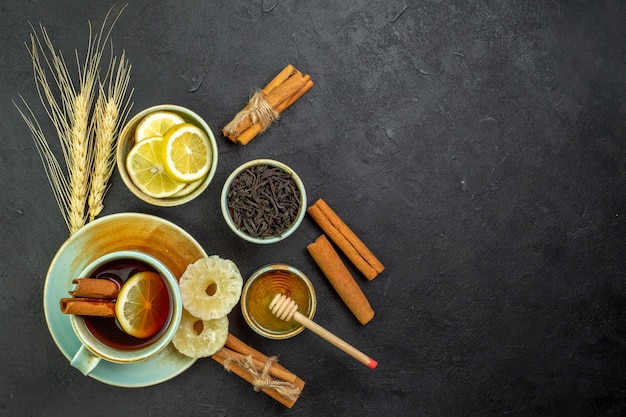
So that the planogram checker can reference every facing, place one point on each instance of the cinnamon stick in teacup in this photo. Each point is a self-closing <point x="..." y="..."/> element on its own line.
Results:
<point x="88" y="307"/>
<point x="350" y="244"/>
<point x="340" y="278"/>
<point x="95" y="288"/>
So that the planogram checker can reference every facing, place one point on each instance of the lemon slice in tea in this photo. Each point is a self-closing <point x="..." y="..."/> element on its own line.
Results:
<point x="156" y="124"/>
<point x="187" y="154"/>
<point x="147" y="172"/>
<point x="143" y="304"/>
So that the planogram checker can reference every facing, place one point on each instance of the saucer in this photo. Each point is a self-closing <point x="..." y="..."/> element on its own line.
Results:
<point x="135" y="231"/>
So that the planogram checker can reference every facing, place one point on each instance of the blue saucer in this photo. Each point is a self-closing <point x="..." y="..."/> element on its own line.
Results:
<point x="153" y="235"/>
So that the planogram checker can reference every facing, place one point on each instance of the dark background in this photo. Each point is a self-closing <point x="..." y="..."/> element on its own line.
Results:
<point x="477" y="147"/>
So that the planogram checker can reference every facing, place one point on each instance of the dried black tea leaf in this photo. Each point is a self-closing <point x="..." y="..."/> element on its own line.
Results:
<point x="263" y="201"/>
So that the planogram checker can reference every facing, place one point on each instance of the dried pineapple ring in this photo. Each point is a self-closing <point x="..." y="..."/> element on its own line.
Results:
<point x="210" y="287"/>
<point x="200" y="338"/>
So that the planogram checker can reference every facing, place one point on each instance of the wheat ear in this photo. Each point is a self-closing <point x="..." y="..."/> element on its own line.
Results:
<point x="87" y="167"/>
<point x="111" y="110"/>
<point x="80" y="160"/>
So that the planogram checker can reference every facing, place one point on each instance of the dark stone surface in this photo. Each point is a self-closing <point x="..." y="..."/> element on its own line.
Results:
<point x="476" y="146"/>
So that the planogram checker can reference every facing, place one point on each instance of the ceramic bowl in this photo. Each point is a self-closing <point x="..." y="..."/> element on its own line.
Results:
<point x="260" y="289"/>
<point x="227" y="213"/>
<point x="126" y="141"/>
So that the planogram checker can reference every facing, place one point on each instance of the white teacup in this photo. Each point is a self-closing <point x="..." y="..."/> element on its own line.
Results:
<point x="93" y="349"/>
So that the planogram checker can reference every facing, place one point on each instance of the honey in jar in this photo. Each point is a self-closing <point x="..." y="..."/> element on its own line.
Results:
<point x="261" y="288"/>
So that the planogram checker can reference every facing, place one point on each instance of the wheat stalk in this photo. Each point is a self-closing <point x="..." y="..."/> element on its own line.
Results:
<point x="70" y="110"/>
<point x="110" y="113"/>
<point x="69" y="114"/>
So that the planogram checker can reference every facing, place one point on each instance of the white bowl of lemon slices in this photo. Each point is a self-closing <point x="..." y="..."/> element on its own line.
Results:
<point x="167" y="155"/>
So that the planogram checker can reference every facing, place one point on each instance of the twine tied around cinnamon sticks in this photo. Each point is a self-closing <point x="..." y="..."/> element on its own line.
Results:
<point x="266" y="105"/>
<point x="261" y="377"/>
<point x="258" y="110"/>
<point x="262" y="372"/>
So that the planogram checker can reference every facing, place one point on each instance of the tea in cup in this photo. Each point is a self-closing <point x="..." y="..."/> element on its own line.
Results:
<point x="105" y="337"/>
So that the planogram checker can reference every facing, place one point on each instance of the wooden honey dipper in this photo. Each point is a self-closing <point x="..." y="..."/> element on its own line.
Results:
<point x="286" y="309"/>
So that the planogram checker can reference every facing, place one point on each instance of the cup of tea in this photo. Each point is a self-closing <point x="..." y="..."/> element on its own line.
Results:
<point x="102" y="338"/>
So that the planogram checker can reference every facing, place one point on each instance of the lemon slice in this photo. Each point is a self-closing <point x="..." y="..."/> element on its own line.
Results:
<point x="187" y="152"/>
<point x="143" y="304"/>
<point x="156" y="124"/>
<point x="146" y="170"/>
<point x="189" y="188"/>
<point x="198" y="338"/>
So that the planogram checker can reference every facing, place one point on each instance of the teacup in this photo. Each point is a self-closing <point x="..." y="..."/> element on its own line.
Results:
<point x="102" y="338"/>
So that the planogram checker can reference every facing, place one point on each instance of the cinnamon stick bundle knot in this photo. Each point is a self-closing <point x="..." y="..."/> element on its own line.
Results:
<point x="258" y="110"/>
<point x="261" y="377"/>
<point x="263" y="372"/>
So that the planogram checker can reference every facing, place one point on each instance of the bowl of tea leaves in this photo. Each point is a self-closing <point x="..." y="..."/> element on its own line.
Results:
<point x="263" y="201"/>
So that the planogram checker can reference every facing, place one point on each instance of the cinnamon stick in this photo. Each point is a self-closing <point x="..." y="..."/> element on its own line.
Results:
<point x="282" y="76"/>
<point x="286" y="90"/>
<point x="88" y="307"/>
<point x="95" y="288"/>
<point x="236" y="345"/>
<point x="350" y="244"/>
<point x="265" y="105"/>
<point x="235" y="348"/>
<point x="248" y="134"/>
<point x="308" y="84"/>
<point x="340" y="278"/>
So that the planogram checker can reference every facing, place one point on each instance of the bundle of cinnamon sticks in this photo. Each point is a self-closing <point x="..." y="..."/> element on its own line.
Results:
<point x="263" y="372"/>
<point x="91" y="297"/>
<point x="267" y="104"/>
